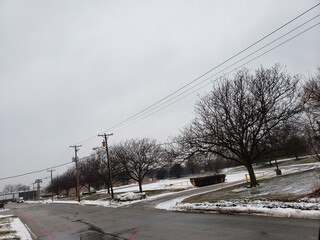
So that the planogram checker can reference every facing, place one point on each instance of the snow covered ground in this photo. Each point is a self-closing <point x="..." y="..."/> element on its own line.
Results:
<point x="255" y="200"/>
<point x="298" y="184"/>
<point x="12" y="228"/>
<point x="168" y="184"/>
<point x="305" y="208"/>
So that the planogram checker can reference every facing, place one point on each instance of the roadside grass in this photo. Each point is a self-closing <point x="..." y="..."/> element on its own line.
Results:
<point x="290" y="187"/>
<point x="6" y="233"/>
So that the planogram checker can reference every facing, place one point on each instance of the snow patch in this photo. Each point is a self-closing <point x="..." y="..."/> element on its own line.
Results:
<point x="305" y="208"/>
<point x="21" y="230"/>
<point x="129" y="196"/>
<point x="16" y="229"/>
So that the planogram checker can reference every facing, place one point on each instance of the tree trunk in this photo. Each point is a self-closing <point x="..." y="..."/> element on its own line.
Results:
<point x="140" y="186"/>
<point x="253" y="180"/>
<point x="108" y="186"/>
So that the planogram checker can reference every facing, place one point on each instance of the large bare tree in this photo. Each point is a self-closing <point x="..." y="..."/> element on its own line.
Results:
<point x="138" y="158"/>
<point x="311" y="98"/>
<point x="239" y="117"/>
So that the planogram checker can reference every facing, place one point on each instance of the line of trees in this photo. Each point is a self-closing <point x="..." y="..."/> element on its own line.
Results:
<point x="243" y="120"/>
<point x="9" y="188"/>
<point x="133" y="159"/>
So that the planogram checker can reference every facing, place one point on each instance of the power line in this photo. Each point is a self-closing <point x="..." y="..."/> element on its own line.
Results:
<point x="62" y="157"/>
<point x="212" y="69"/>
<point x="196" y="90"/>
<point x="141" y="112"/>
<point x="33" y="172"/>
<point x="152" y="112"/>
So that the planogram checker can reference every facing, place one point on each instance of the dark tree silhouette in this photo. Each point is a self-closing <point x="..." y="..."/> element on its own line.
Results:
<point x="138" y="157"/>
<point x="311" y="98"/>
<point x="239" y="117"/>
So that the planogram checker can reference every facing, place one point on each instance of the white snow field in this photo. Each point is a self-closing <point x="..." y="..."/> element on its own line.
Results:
<point x="298" y="184"/>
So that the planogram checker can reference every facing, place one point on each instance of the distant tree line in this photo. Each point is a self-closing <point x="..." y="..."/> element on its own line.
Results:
<point x="245" y="119"/>
<point x="10" y="188"/>
<point x="133" y="159"/>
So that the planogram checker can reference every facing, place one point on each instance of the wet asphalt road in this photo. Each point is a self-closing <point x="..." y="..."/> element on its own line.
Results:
<point x="67" y="221"/>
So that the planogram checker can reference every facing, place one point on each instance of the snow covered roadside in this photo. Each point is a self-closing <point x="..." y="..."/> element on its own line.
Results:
<point x="305" y="208"/>
<point x="127" y="195"/>
<point x="121" y="200"/>
<point x="243" y="200"/>
<point x="12" y="228"/>
<point x="167" y="184"/>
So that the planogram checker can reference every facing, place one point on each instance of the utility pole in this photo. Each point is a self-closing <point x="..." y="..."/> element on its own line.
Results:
<point x="105" y="144"/>
<point x="51" y="170"/>
<point x="76" y="149"/>
<point x="33" y="190"/>
<point x="38" y="181"/>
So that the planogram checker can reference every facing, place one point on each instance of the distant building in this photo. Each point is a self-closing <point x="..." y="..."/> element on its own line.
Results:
<point x="26" y="195"/>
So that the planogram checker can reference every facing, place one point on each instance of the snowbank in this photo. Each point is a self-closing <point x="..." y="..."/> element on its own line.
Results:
<point x="305" y="208"/>
<point x="130" y="196"/>
<point x="16" y="229"/>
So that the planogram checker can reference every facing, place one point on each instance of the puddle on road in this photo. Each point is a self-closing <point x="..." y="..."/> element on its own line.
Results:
<point x="93" y="235"/>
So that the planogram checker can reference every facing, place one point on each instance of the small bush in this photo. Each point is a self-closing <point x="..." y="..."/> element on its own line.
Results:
<point x="208" y="180"/>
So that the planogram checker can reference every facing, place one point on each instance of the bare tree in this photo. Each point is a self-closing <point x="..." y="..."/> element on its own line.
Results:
<point x="311" y="98"/>
<point x="176" y="170"/>
<point x="138" y="158"/>
<point x="56" y="186"/>
<point x="89" y="172"/>
<point x="22" y="187"/>
<point x="15" y="187"/>
<point x="238" y="118"/>
<point x="101" y="166"/>
<point x="68" y="180"/>
<point x="65" y="181"/>
<point x="9" y="188"/>
<point x="194" y="164"/>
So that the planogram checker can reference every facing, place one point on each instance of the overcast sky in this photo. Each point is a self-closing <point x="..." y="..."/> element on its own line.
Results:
<point x="72" y="69"/>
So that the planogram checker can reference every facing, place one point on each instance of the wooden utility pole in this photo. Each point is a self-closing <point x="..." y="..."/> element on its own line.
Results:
<point x="33" y="190"/>
<point x="76" y="149"/>
<point x="105" y="144"/>
<point x="38" y="181"/>
<point x="51" y="170"/>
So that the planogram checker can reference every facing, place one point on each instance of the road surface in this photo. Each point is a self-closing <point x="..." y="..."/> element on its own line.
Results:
<point x="67" y="221"/>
